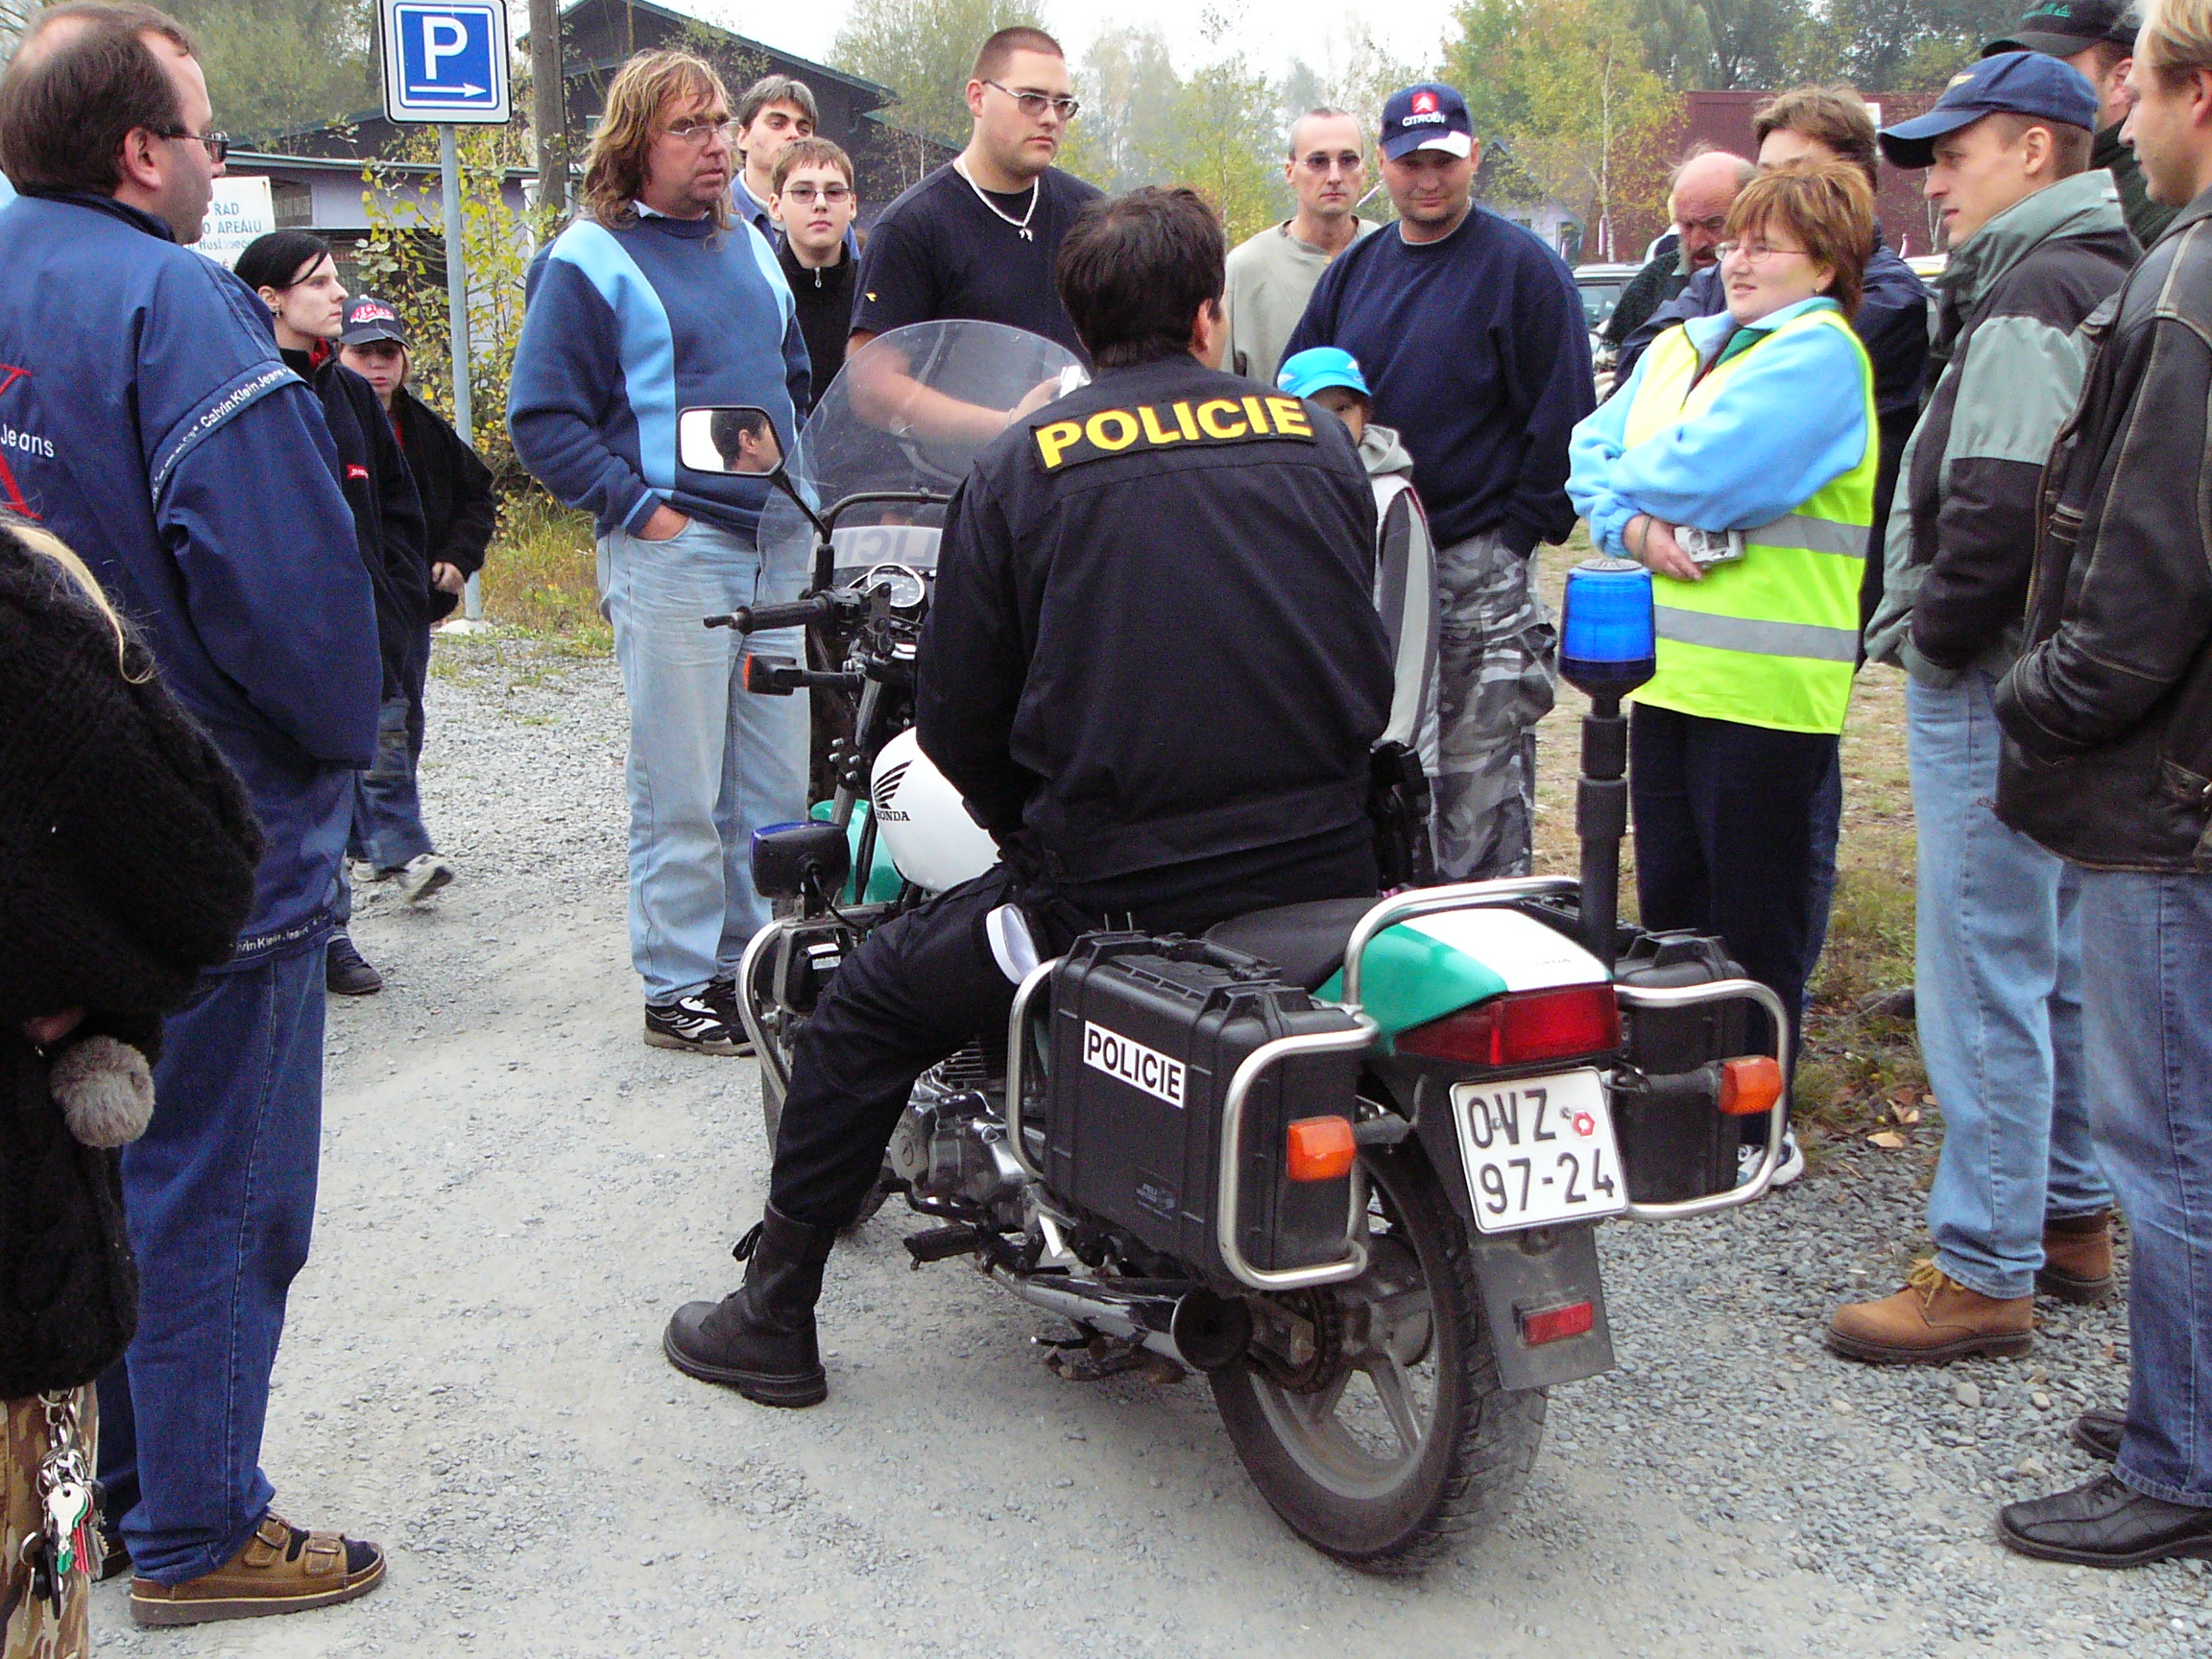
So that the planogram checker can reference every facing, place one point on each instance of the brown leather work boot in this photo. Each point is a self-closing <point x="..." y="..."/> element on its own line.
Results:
<point x="2077" y="1258"/>
<point x="1934" y="1319"/>
<point x="280" y="1570"/>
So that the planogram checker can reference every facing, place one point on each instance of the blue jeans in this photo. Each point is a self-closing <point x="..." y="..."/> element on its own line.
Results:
<point x="1998" y="977"/>
<point x="2147" y="1038"/>
<point x="220" y="1193"/>
<point x="387" y="807"/>
<point x="710" y="762"/>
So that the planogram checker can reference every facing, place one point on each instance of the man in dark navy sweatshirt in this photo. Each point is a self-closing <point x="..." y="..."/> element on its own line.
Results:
<point x="652" y="302"/>
<point x="1473" y="336"/>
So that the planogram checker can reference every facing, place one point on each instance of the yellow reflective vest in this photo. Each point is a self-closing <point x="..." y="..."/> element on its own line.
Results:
<point x="1772" y="639"/>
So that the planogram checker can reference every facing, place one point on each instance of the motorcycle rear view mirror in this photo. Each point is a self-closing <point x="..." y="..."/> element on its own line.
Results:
<point x="738" y="440"/>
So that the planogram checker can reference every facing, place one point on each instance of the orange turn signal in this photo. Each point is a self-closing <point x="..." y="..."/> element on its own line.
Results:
<point x="1321" y="1149"/>
<point x="1750" y="1085"/>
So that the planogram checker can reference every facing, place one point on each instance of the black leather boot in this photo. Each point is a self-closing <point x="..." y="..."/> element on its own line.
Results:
<point x="759" y="1339"/>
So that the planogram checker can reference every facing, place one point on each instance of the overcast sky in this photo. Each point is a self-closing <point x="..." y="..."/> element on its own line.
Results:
<point x="1269" y="32"/>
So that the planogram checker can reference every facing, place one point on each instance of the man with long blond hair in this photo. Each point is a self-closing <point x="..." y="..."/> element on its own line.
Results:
<point x="653" y="301"/>
<point x="2109" y="715"/>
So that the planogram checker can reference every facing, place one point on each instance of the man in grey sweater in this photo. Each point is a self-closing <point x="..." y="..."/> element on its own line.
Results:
<point x="1271" y="276"/>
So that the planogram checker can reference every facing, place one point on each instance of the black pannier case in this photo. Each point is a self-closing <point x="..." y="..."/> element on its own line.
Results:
<point x="1146" y="1034"/>
<point x="1675" y="1143"/>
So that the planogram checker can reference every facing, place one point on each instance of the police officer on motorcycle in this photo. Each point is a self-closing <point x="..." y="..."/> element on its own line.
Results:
<point x="1154" y="671"/>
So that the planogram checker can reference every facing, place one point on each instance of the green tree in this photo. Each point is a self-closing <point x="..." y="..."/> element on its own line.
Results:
<point x="404" y="261"/>
<point x="1562" y="83"/>
<point x="1222" y="143"/>
<point x="276" y="64"/>
<point x="1131" y="93"/>
<point x="923" y="50"/>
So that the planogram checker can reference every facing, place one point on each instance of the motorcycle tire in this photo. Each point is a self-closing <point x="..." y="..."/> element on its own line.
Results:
<point x="1310" y="1443"/>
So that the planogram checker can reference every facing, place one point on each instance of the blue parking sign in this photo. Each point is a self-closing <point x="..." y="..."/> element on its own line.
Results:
<point x="444" y="60"/>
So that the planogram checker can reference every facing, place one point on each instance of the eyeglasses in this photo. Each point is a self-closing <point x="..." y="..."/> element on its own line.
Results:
<point x="1349" y="160"/>
<point x="218" y="143"/>
<point x="700" y="132"/>
<point x="1755" y="253"/>
<point x="806" y="195"/>
<point x="1033" y="102"/>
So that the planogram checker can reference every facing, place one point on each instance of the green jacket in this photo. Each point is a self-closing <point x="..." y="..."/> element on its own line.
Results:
<point x="1961" y="535"/>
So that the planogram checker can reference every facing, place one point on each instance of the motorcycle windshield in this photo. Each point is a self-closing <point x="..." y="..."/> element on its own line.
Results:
<point x="909" y="411"/>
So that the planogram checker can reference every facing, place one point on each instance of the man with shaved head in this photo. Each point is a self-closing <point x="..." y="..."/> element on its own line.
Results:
<point x="154" y="428"/>
<point x="1698" y="198"/>
<point x="1271" y="276"/>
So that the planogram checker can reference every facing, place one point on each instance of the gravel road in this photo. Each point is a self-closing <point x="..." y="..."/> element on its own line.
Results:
<point x="516" y="1191"/>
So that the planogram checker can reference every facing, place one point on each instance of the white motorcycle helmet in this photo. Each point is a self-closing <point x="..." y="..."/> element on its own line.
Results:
<point x="921" y="822"/>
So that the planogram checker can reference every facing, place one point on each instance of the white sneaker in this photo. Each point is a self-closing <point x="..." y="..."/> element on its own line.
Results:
<point x="424" y="873"/>
<point x="1793" y="1164"/>
<point x="363" y="873"/>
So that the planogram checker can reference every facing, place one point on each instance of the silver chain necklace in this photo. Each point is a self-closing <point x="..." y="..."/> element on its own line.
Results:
<point x="1036" y="189"/>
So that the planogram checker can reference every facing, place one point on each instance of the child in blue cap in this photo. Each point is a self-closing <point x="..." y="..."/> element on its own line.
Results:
<point x="1405" y="554"/>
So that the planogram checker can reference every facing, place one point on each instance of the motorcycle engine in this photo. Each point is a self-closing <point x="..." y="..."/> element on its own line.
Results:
<point x="950" y="1143"/>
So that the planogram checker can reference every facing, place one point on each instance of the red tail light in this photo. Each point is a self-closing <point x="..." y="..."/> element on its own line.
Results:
<point x="1522" y="1028"/>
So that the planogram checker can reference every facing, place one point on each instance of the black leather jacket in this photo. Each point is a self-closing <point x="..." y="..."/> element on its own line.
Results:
<point x="2109" y="709"/>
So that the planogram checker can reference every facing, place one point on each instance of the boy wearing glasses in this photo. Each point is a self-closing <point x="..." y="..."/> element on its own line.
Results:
<point x="813" y="203"/>
<point x="1271" y="276"/>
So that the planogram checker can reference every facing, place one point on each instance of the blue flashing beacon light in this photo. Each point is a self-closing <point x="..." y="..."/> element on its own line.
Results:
<point x="1608" y="646"/>
<point x="1607" y="638"/>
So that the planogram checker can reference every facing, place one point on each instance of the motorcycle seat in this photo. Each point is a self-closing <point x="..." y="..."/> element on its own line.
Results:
<point x="1305" y="941"/>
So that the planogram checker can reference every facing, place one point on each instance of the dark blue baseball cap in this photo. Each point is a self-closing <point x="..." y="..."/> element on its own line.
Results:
<point x="2009" y="83"/>
<point x="1427" y="116"/>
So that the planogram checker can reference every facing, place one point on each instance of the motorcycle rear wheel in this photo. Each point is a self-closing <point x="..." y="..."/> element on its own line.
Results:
<point x="1405" y="1442"/>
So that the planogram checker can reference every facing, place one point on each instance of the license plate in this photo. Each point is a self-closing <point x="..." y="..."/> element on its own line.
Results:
<point x="1538" y="1150"/>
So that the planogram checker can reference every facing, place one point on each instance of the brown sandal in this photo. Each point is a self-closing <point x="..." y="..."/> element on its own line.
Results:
<point x="280" y="1570"/>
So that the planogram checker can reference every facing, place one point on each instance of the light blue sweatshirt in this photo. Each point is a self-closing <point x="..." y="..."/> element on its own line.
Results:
<point x="1782" y="429"/>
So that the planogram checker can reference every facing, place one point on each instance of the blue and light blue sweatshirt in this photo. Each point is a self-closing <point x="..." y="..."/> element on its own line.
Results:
<point x="1478" y="353"/>
<point x="1780" y="431"/>
<point x="626" y="327"/>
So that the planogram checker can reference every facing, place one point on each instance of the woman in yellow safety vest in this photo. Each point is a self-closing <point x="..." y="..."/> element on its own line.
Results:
<point x="1738" y="464"/>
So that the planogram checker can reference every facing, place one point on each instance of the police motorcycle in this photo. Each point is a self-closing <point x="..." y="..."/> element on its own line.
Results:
<point x="1347" y="1159"/>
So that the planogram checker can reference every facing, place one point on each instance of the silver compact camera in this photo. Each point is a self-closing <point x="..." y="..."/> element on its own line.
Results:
<point x="1708" y="547"/>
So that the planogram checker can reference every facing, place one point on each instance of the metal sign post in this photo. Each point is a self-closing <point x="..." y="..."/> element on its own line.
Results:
<point x="444" y="62"/>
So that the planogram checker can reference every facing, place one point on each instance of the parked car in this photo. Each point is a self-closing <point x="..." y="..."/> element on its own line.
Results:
<point x="1601" y="286"/>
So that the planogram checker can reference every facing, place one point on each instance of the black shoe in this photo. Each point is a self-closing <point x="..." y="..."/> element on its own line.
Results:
<point x="345" y="971"/>
<point x="2104" y="1524"/>
<point x="2098" y="1431"/>
<point x="721" y="995"/>
<point x="115" y="1554"/>
<point x="760" y="1338"/>
<point x="1897" y="1004"/>
<point x="692" y="1024"/>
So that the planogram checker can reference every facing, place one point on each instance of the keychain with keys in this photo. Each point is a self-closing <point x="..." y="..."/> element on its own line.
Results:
<point x="66" y="1505"/>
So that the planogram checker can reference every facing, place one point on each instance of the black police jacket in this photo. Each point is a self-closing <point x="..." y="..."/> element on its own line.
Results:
<point x="1153" y="637"/>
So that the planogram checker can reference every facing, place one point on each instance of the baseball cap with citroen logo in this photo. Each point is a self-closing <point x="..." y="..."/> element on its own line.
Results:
<point x="1427" y="116"/>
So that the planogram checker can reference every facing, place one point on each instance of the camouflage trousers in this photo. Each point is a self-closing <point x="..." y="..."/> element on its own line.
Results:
<point x="1496" y="670"/>
<point x="28" y="1627"/>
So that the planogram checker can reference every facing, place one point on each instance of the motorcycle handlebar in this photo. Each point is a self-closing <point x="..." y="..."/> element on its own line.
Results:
<point x="760" y="618"/>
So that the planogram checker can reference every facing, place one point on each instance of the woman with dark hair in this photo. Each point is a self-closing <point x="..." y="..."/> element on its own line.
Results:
<point x="1739" y="463"/>
<point x="127" y="854"/>
<point x="297" y="279"/>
